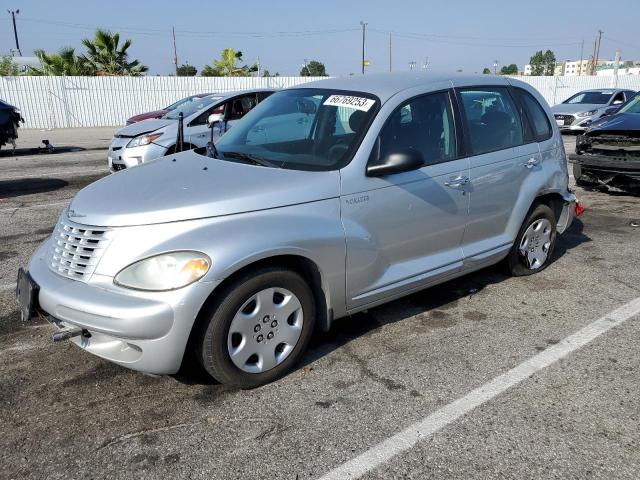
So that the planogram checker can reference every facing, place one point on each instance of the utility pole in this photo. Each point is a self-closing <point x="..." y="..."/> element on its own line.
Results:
<point x="581" y="57"/>
<point x="592" y="68"/>
<point x="364" y="30"/>
<point x="495" y="67"/>
<point x="390" y="58"/>
<point x="175" y="51"/>
<point x="15" y="29"/>
<point x="595" y="63"/>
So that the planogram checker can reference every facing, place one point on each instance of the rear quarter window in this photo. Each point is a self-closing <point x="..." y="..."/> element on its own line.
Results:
<point x="538" y="120"/>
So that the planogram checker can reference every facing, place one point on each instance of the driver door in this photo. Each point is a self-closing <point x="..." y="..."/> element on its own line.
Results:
<point x="404" y="230"/>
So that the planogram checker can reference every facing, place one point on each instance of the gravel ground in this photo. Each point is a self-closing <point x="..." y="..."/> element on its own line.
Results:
<point x="67" y="414"/>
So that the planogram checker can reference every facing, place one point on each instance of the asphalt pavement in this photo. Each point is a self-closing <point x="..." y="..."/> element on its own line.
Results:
<point x="68" y="414"/>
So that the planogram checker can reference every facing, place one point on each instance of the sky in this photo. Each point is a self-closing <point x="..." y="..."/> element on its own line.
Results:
<point x="450" y="35"/>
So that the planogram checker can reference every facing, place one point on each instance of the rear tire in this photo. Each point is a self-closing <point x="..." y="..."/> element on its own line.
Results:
<point x="533" y="248"/>
<point x="258" y="329"/>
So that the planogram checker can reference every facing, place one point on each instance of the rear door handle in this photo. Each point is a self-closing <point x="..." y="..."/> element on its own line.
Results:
<point x="458" y="181"/>
<point x="532" y="162"/>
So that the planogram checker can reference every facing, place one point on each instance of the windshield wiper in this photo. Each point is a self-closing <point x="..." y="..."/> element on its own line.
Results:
<point x="252" y="159"/>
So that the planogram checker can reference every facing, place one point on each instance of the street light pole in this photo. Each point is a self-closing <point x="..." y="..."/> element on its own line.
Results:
<point x="364" y="30"/>
<point x="15" y="29"/>
<point x="495" y="67"/>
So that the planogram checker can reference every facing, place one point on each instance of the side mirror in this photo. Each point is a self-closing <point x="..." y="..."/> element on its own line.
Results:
<point x="617" y="102"/>
<point x="214" y="118"/>
<point x="396" y="162"/>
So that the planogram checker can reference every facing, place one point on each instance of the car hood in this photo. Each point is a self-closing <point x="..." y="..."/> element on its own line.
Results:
<point x="576" y="108"/>
<point x="189" y="186"/>
<point x="144" y="126"/>
<point x="620" y="122"/>
<point x="147" y="115"/>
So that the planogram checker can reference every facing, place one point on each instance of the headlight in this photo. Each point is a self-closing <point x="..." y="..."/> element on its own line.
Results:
<point x="143" y="140"/>
<point x="167" y="271"/>
<point x="587" y="114"/>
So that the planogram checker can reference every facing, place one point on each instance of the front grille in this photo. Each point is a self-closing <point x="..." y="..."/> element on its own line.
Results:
<point x="118" y="166"/>
<point x="567" y="119"/>
<point x="76" y="249"/>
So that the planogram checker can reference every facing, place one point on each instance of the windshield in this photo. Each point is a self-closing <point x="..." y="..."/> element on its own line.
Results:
<point x="598" y="98"/>
<point x="632" y="106"/>
<point x="189" y="106"/>
<point x="301" y="129"/>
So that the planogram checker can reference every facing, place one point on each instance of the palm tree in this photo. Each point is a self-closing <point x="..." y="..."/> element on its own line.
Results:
<point x="65" y="62"/>
<point x="227" y="66"/>
<point x="107" y="57"/>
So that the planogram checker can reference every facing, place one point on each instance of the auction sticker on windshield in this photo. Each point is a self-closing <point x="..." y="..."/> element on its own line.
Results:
<point x="359" y="103"/>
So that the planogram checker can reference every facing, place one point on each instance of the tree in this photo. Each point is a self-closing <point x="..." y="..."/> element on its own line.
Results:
<point x="65" y="62"/>
<point x="543" y="63"/>
<point x="186" y="70"/>
<point x="228" y="66"/>
<point x="486" y="71"/>
<point x="314" y="69"/>
<point x="8" y="67"/>
<point x="511" y="69"/>
<point x="267" y="73"/>
<point x="107" y="57"/>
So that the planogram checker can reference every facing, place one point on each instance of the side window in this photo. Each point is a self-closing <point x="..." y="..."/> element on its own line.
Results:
<point x="536" y="114"/>
<point x="204" y="116"/>
<point x="492" y="119"/>
<point x="424" y="123"/>
<point x="239" y="107"/>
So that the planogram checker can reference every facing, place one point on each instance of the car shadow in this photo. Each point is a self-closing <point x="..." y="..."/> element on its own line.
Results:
<point x="430" y="300"/>
<point x="28" y="186"/>
<point x="21" y="152"/>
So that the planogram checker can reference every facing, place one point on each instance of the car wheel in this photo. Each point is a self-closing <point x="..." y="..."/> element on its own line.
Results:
<point x="259" y="329"/>
<point x="533" y="248"/>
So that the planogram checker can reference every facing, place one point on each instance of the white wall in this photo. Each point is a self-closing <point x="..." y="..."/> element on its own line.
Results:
<point x="66" y="102"/>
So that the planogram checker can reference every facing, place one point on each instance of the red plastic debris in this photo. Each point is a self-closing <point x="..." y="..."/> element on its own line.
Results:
<point x="579" y="209"/>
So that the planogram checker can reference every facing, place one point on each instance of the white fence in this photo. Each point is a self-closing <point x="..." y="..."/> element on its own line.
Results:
<point x="65" y="102"/>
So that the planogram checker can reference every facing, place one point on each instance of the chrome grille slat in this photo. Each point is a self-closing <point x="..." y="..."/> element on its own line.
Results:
<point x="76" y="249"/>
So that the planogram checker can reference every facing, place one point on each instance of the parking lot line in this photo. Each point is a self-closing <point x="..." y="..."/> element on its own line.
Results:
<point x="410" y="436"/>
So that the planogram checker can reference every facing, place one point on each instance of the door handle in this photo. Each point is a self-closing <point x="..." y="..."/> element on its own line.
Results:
<point x="532" y="162"/>
<point x="458" y="181"/>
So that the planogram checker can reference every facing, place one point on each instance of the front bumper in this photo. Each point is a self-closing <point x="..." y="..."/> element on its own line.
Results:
<point x="572" y="123"/>
<point x="145" y="332"/>
<point x="627" y="166"/>
<point x="121" y="157"/>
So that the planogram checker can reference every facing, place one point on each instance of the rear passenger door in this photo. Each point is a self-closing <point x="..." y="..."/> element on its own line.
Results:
<point x="500" y="161"/>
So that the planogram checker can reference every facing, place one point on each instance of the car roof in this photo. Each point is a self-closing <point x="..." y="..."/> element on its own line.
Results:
<point x="386" y="85"/>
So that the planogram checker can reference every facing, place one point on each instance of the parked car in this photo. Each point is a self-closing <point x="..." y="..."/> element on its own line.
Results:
<point x="608" y="153"/>
<point x="163" y="111"/>
<point x="577" y="112"/>
<point x="149" y="139"/>
<point x="10" y="119"/>
<point x="385" y="184"/>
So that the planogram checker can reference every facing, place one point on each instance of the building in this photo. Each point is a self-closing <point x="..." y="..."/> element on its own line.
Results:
<point x="573" y="68"/>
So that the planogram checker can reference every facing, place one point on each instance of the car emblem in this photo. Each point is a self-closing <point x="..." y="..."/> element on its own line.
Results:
<point x="74" y="214"/>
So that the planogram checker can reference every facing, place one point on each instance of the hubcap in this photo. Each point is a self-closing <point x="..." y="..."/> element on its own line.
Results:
<point x="536" y="242"/>
<point x="265" y="330"/>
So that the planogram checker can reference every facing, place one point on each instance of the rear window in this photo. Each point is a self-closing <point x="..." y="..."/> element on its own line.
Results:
<point x="540" y="126"/>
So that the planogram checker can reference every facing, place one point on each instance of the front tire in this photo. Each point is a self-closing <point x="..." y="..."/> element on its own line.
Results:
<point x="259" y="328"/>
<point x="577" y="175"/>
<point x="533" y="248"/>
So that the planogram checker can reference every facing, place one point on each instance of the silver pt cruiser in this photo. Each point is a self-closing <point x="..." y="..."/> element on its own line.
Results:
<point x="322" y="201"/>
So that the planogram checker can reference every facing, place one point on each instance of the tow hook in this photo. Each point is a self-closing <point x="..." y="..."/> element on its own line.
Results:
<point x="67" y="333"/>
